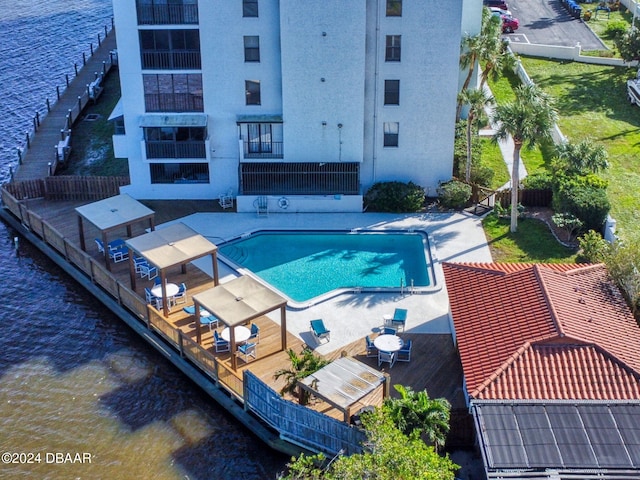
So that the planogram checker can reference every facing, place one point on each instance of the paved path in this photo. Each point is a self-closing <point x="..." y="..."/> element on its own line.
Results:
<point x="36" y="159"/>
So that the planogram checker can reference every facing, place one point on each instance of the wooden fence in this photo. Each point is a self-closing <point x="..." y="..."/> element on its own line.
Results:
<point x="528" y="197"/>
<point x="298" y="424"/>
<point x="70" y="187"/>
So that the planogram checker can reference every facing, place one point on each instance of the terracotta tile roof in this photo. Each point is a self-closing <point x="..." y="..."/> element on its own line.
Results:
<point x="551" y="331"/>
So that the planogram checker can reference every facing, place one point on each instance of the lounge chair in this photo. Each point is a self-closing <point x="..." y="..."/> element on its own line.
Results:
<point x="320" y="331"/>
<point x="226" y="199"/>
<point x="389" y="357"/>
<point x="220" y="343"/>
<point x="404" y="354"/>
<point x="372" y="351"/>
<point x="399" y="318"/>
<point x="247" y="350"/>
<point x="181" y="296"/>
<point x="211" y="321"/>
<point x="262" y="206"/>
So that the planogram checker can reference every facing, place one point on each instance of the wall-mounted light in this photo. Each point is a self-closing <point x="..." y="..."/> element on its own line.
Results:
<point x="322" y="79"/>
<point x="324" y="124"/>
<point x="324" y="34"/>
<point x="339" y="125"/>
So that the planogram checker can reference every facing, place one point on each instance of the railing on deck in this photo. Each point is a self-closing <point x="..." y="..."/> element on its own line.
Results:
<point x="67" y="188"/>
<point x="295" y="423"/>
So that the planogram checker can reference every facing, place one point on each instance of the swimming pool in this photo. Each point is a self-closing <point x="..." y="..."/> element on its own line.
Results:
<point x="306" y="265"/>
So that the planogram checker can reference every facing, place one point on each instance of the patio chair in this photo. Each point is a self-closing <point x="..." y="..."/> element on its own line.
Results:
<point x="320" y="331"/>
<point x="145" y="269"/>
<point x="118" y="254"/>
<point x="389" y="331"/>
<point x="262" y="206"/>
<point x="404" y="354"/>
<point x="247" y="350"/>
<point x="210" y="321"/>
<point x="226" y="199"/>
<point x="389" y="357"/>
<point x="181" y="296"/>
<point x="399" y="318"/>
<point x="220" y="343"/>
<point x="372" y="351"/>
<point x="100" y="245"/>
<point x="149" y="296"/>
<point x="255" y="333"/>
<point x="157" y="281"/>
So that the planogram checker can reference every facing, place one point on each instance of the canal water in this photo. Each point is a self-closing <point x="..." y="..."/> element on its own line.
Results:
<point x="81" y="396"/>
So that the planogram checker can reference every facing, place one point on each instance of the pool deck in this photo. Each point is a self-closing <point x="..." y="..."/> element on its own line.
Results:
<point x="455" y="237"/>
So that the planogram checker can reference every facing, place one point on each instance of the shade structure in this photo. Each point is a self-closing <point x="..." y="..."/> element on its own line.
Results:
<point x="239" y="301"/>
<point x="110" y="214"/>
<point x="174" y="245"/>
<point x="344" y="382"/>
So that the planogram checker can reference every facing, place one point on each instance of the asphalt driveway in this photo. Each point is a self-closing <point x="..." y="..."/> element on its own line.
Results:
<point x="547" y="22"/>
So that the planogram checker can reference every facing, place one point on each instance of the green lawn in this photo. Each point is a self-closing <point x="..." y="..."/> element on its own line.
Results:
<point x="533" y="242"/>
<point x="492" y="158"/>
<point x="591" y="101"/>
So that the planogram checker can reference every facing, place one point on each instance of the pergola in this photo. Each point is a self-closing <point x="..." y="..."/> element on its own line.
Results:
<point x="174" y="245"/>
<point x="344" y="382"/>
<point x="110" y="214"/>
<point x="237" y="302"/>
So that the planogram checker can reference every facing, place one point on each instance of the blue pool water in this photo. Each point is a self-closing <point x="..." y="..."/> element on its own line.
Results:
<point x="304" y="265"/>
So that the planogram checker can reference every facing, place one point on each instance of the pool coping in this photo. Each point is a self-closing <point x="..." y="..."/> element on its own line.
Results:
<point x="436" y="282"/>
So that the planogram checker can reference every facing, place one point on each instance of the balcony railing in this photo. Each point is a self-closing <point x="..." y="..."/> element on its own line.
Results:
<point x="171" y="60"/>
<point x="173" y="102"/>
<point x="176" y="149"/>
<point x="167" y="14"/>
<point x="257" y="149"/>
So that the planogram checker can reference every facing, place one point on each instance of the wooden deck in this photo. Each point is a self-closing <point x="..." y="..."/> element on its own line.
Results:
<point x="434" y="366"/>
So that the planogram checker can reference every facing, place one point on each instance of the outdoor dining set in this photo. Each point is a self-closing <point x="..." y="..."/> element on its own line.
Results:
<point x="388" y="347"/>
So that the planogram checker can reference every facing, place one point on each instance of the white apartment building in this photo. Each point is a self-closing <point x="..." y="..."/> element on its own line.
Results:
<point x="306" y="103"/>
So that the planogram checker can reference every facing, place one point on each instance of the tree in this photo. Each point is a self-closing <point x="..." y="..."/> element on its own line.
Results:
<point x="582" y="158"/>
<point x="623" y="264"/>
<point x="629" y="45"/>
<point x="528" y="119"/>
<point x="477" y="101"/>
<point x="496" y="60"/>
<point x="301" y="367"/>
<point x="388" y="455"/>
<point x="416" y="412"/>
<point x="477" y="48"/>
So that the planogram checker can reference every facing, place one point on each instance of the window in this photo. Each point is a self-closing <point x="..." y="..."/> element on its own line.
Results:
<point x="170" y="49"/>
<point x="392" y="53"/>
<point x="249" y="8"/>
<point x="252" y="92"/>
<point x="175" y="142"/>
<point x="173" y="92"/>
<point x="391" y="134"/>
<point x="394" y="8"/>
<point x="252" y="49"/>
<point x="179" y="172"/>
<point x="392" y="92"/>
<point x="161" y="12"/>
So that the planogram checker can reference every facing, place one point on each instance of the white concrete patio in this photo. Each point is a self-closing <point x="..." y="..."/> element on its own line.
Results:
<point x="456" y="237"/>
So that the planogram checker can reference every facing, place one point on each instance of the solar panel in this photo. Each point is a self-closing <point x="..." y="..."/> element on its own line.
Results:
<point x="503" y="448"/>
<point x="540" y="445"/>
<point x="604" y="436"/>
<point x="628" y="421"/>
<point x="572" y="439"/>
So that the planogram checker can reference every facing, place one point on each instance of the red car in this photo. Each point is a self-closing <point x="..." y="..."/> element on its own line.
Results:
<point x="509" y="24"/>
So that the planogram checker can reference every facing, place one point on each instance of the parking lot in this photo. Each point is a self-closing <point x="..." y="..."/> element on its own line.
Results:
<point x="547" y="22"/>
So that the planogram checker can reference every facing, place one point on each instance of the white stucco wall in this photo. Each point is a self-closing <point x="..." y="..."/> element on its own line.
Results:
<point x="321" y="39"/>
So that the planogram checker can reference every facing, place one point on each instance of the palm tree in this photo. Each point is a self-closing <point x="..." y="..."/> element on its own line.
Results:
<point x="496" y="60"/>
<point x="415" y="411"/>
<point x="477" y="48"/>
<point x="583" y="157"/>
<point x="528" y="119"/>
<point x="301" y="367"/>
<point x="477" y="101"/>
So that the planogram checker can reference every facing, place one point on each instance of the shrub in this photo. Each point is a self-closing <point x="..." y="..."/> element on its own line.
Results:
<point x="540" y="180"/>
<point x="593" y="248"/>
<point x="454" y="194"/>
<point x="394" y="197"/>
<point x="616" y="29"/>
<point x="590" y="204"/>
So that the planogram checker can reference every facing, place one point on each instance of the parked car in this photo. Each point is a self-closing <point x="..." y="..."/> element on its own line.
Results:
<point x="500" y="11"/>
<point x="509" y="24"/>
<point x="501" y="4"/>
<point x="633" y="90"/>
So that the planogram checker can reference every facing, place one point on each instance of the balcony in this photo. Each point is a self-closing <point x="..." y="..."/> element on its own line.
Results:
<point x="171" y="60"/>
<point x="167" y="14"/>
<point x="165" y="149"/>
<point x="173" y="102"/>
<point x="258" y="149"/>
